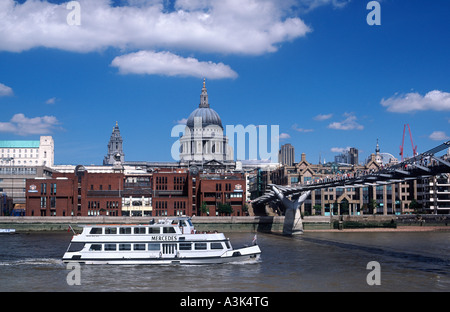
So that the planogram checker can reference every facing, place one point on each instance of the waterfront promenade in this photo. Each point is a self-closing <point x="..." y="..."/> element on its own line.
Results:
<point x="374" y="223"/>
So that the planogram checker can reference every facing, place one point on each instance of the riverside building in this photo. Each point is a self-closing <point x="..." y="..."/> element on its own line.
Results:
<point x="21" y="160"/>
<point x="426" y="195"/>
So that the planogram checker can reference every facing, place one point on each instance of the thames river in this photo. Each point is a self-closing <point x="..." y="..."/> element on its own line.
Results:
<point x="321" y="261"/>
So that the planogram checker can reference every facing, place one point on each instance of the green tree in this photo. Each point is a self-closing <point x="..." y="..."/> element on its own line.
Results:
<point x="204" y="208"/>
<point x="372" y="206"/>
<point x="415" y="206"/>
<point x="225" y="209"/>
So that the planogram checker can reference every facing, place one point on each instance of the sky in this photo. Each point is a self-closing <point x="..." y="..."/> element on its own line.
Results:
<point x="315" y="68"/>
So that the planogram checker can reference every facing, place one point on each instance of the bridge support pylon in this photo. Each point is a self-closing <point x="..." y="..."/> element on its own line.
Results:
<point x="293" y="224"/>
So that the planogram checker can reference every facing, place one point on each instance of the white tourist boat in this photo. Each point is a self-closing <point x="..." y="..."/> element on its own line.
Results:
<point x="7" y="231"/>
<point x="170" y="241"/>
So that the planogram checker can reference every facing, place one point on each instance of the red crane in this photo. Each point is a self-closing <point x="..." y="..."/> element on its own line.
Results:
<point x="403" y="142"/>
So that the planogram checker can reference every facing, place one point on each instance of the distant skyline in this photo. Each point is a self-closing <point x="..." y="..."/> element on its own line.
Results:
<point x="313" y="67"/>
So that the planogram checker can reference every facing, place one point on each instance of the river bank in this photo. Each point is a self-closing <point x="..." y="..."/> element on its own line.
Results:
<point x="405" y="228"/>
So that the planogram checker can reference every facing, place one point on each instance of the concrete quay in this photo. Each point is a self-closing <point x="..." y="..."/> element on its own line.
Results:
<point x="222" y="224"/>
<point x="265" y="224"/>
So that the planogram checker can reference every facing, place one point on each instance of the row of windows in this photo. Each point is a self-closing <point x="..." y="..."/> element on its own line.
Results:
<point x="96" y="212"/>
<point x="52" y="188"/>
<point x="161" y="180"/>
<point x="130" y="230"/>
<point x="19" y="150"/>
<point x="109" y="204"/>
<point x="227" y="187"/>
<point x="17" y="171"/>
<point x="155" y="246"/>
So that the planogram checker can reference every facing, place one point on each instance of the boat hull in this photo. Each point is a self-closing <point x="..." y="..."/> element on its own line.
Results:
<point x="242" y="255"/>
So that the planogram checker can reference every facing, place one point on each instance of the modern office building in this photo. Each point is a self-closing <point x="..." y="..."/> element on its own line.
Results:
<point x="286" y="155"/>
<point x="349" y="156"/>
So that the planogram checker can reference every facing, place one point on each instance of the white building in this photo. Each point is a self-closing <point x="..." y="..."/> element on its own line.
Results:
<point x="28" y="153"/>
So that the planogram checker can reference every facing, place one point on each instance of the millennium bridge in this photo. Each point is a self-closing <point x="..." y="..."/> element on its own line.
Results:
<point x="290" y="198"/>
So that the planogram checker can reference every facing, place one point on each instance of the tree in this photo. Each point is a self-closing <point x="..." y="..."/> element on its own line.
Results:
<point x="415" y="206"/>
<point x="372" y="206"/>
<point x="204" y="208"/>
<point x="225" y="209"/>
<point x="317" y="209"/>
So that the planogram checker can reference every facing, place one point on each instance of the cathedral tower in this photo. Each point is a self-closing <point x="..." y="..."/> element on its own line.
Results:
<point x="115" y="148"/>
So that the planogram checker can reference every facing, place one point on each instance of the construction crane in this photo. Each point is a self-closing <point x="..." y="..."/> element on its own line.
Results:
<point x="414" y="148"/>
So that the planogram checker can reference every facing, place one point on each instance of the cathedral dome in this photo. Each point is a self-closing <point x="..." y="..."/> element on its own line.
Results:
<point x="208" y="115"/>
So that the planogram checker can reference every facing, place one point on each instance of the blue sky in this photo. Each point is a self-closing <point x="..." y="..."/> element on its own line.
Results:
<point x="313" y="67"/>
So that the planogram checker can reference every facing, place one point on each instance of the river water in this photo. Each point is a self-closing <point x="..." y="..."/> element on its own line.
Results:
<point x="321" y="261"/>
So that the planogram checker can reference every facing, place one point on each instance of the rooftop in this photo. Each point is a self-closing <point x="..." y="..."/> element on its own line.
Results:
<point x="19" y="144"/>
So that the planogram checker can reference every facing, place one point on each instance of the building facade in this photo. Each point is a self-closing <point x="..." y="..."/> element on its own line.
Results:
<point x="423" y="195"/>
<point x="162" y="192"/>
<point x="286" y="155"/>
<point x="75" y="194"/>
<point x="28" y="153"/>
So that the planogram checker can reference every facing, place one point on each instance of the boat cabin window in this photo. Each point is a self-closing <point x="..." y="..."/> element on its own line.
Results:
<point x="139" y="230"/>
<point x="125" y="230"/>
<point x="228" y="244"/>
<point x="216" y="246"/>
<point x="139" y="246"/>
<point x="111" y="230"/>
<point x="95" y="247"/>
<point x="200" y="246"/>
<point x="124" y="246"/>
<point x="96" y="230"/>
<point x="154" y="230"/>
<point x="73" y="247"/>
<point x="185" y="246"/>
<point x="168" y="229"/>
<point x="110" y="247"/>
<point x="154" y="246"/>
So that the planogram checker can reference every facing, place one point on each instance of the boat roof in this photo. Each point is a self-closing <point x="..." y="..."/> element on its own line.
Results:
<point x="160" y="222"/>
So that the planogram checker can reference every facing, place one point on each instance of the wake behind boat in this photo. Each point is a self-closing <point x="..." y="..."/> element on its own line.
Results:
<point x="170" y="241"/>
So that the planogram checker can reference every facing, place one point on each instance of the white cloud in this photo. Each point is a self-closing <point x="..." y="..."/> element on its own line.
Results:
<point x="349" y="123"/>
<point x="340" y="149"/>
<point x="322" y="117"/>
<point x="51" y="100"/>
<point x="439" y="136"/>
<point x="182" y="121"/>
<point x="313" y="4"/>
<point x="284" y="136"/>
<point x="228" y="26"/>
<point x="22" y="125"/>
<point x="434" y="100"/>
<point x="296" y="128"/>
<point x="169" y="64"/>
<point x="5" y="90"/>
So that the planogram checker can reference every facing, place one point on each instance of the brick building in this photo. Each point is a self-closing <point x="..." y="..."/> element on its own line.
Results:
<point x="163" y="192"/>
<point x="75" y="194"/>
